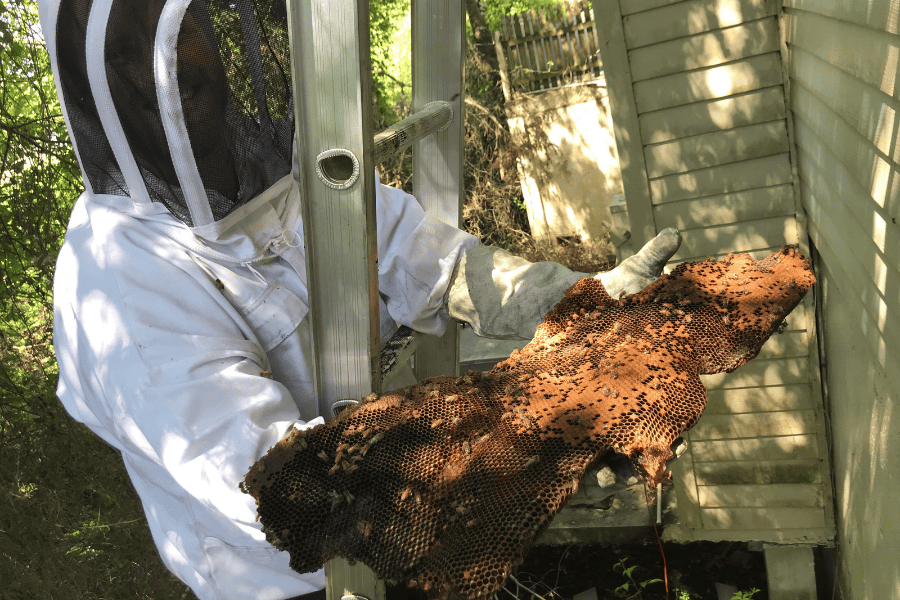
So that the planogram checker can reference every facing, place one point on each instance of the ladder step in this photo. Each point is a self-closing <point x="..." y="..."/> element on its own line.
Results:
<point x="435" y="116"/>
<point x="396" y="351"/>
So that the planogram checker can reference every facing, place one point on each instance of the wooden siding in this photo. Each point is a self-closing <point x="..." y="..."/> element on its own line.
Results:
<point x="717" y="148"/>
<point x="705" y="50"/>
<point x="703" y="101"/>
<point x="715" y="115"/>
<point x="684" y="19"/>
<point x="706" y="84"/>
<point x="735" y="177"/>
<point x="845" y="98"/>
<point x="724" y="209"/>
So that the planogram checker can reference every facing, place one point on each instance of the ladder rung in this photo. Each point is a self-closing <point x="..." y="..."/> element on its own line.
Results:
<point x="396" y="351"/>
<point x="435" y="116"/>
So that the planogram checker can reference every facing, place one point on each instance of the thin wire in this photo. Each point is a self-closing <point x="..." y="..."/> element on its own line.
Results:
<point x="558" y="565"/>
<point x="533" y="593"/>
<point x="658" y="540"/>
<point x="663" y="554"/>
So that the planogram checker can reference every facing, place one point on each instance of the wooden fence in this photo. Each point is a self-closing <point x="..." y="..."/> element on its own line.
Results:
<point x="551" y="47"/>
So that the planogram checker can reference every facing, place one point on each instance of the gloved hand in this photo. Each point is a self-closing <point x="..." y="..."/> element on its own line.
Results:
<point x="506" y="297"/>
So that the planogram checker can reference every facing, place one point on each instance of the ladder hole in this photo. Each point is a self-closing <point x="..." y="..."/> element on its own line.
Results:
<point x="338" y="168"/>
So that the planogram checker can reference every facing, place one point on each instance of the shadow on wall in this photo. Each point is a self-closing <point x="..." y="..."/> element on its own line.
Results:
<point x="845" y="90"/>
<point x="567" y="160"/>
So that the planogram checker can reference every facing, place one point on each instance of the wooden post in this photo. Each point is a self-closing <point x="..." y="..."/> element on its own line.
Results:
<point x="790" y="572"/>
<point x="626" y="128"/>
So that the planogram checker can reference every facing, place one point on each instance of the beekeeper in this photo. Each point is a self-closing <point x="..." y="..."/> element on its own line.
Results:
<point x="180" y="291"/>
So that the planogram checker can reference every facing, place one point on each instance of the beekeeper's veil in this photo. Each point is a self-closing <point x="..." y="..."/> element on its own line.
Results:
<point x="184" y="103"/>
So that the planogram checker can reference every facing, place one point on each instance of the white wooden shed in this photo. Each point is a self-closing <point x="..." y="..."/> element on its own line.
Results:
<point x="749" y="124"/>
<point x="704" y="145"/>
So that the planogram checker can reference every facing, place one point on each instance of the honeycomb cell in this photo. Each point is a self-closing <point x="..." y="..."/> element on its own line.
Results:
<point x="445" y="484"/>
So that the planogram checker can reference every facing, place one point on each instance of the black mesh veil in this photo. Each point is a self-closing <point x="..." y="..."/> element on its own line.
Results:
<point x="94" y="153"/>
<point x="233" y="136"/>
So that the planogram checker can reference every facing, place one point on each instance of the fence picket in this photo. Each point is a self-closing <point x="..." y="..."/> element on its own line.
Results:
<point x="548" y="48"/>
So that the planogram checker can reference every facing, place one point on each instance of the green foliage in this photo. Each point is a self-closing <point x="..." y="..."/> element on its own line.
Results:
<point x="631" y="589"/>
<point x="69" y="528"/>
<point x="391" y="77"/>
<point x="495" y="10"/>
<point x="39" y="179"/>
<point x="685" y="595"/>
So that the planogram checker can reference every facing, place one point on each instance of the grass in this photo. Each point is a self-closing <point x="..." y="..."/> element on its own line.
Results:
<point x="71" y="526"/>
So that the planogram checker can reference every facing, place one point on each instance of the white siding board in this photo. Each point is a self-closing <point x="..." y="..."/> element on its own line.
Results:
<point x="709" y="83"/>
<point x="870" y="170"/>
<point x="874" y="347"/>
<point x="705" y="50"/>
<point x="867" y="54"/>
<point x="762" y="472"/>
<point x="735" y="177"/>
<point x="726" y="209"/>
<point x="759" y="399"/>
<point x="761" y="372"/>
<point x="865" y="109"/>
<point x="762" y="518"/>
<point x="688" y="18"/>
<point x="706" y="82"/>
<point x="830" y="201"/>
<point x="877" y="344"/>
<point x="788" y="344"/>
<point x="749" y="108"/>
<point x="686" y="493"/>
<point x="878" y="14"/>
<point x="754" y="254"/>
<point x="858" y="153"/>
<point x="754" y="425"/>
<point x="717" y="148"/>
<point x="786" y="447"/>
<point x="874" y="283"/>
<point x="740" y="237"/>
<point x="784" y="495"/>
<point x="633" y="6"/>
<point x="876" y="315"/>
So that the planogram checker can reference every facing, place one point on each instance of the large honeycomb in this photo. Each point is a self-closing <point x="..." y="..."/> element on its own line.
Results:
<point x="445" y="484"/>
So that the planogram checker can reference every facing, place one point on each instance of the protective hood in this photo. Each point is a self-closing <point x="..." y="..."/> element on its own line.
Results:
<point x="184" y="104"/>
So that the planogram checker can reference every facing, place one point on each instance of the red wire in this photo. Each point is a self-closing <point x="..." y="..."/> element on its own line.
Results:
<point x="663" y="554"/>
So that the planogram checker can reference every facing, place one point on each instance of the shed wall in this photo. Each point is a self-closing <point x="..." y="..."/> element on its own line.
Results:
<point x="698" y="105"/>
<point x="567" y="159"/>
<point x="845" y="95"/>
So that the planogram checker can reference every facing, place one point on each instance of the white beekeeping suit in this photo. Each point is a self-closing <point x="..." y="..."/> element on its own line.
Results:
<point x="180" y="292"/>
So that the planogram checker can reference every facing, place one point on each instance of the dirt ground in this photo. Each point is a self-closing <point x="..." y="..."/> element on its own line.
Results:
<point x="695" y="568"/>
<point x="561" y="572"/>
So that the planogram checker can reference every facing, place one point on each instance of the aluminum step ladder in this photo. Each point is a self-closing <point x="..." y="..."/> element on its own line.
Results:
<point x="337" y="156"/>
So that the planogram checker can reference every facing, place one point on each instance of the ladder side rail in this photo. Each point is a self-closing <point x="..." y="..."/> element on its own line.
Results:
<point x="438" y="48"/>
<point x="331" y="75"/>
<point x="434" y="116"/>
<point x="332" y="85"/>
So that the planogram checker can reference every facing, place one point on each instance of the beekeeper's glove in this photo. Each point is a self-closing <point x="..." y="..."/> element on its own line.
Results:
<point x="506" y="297"/>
